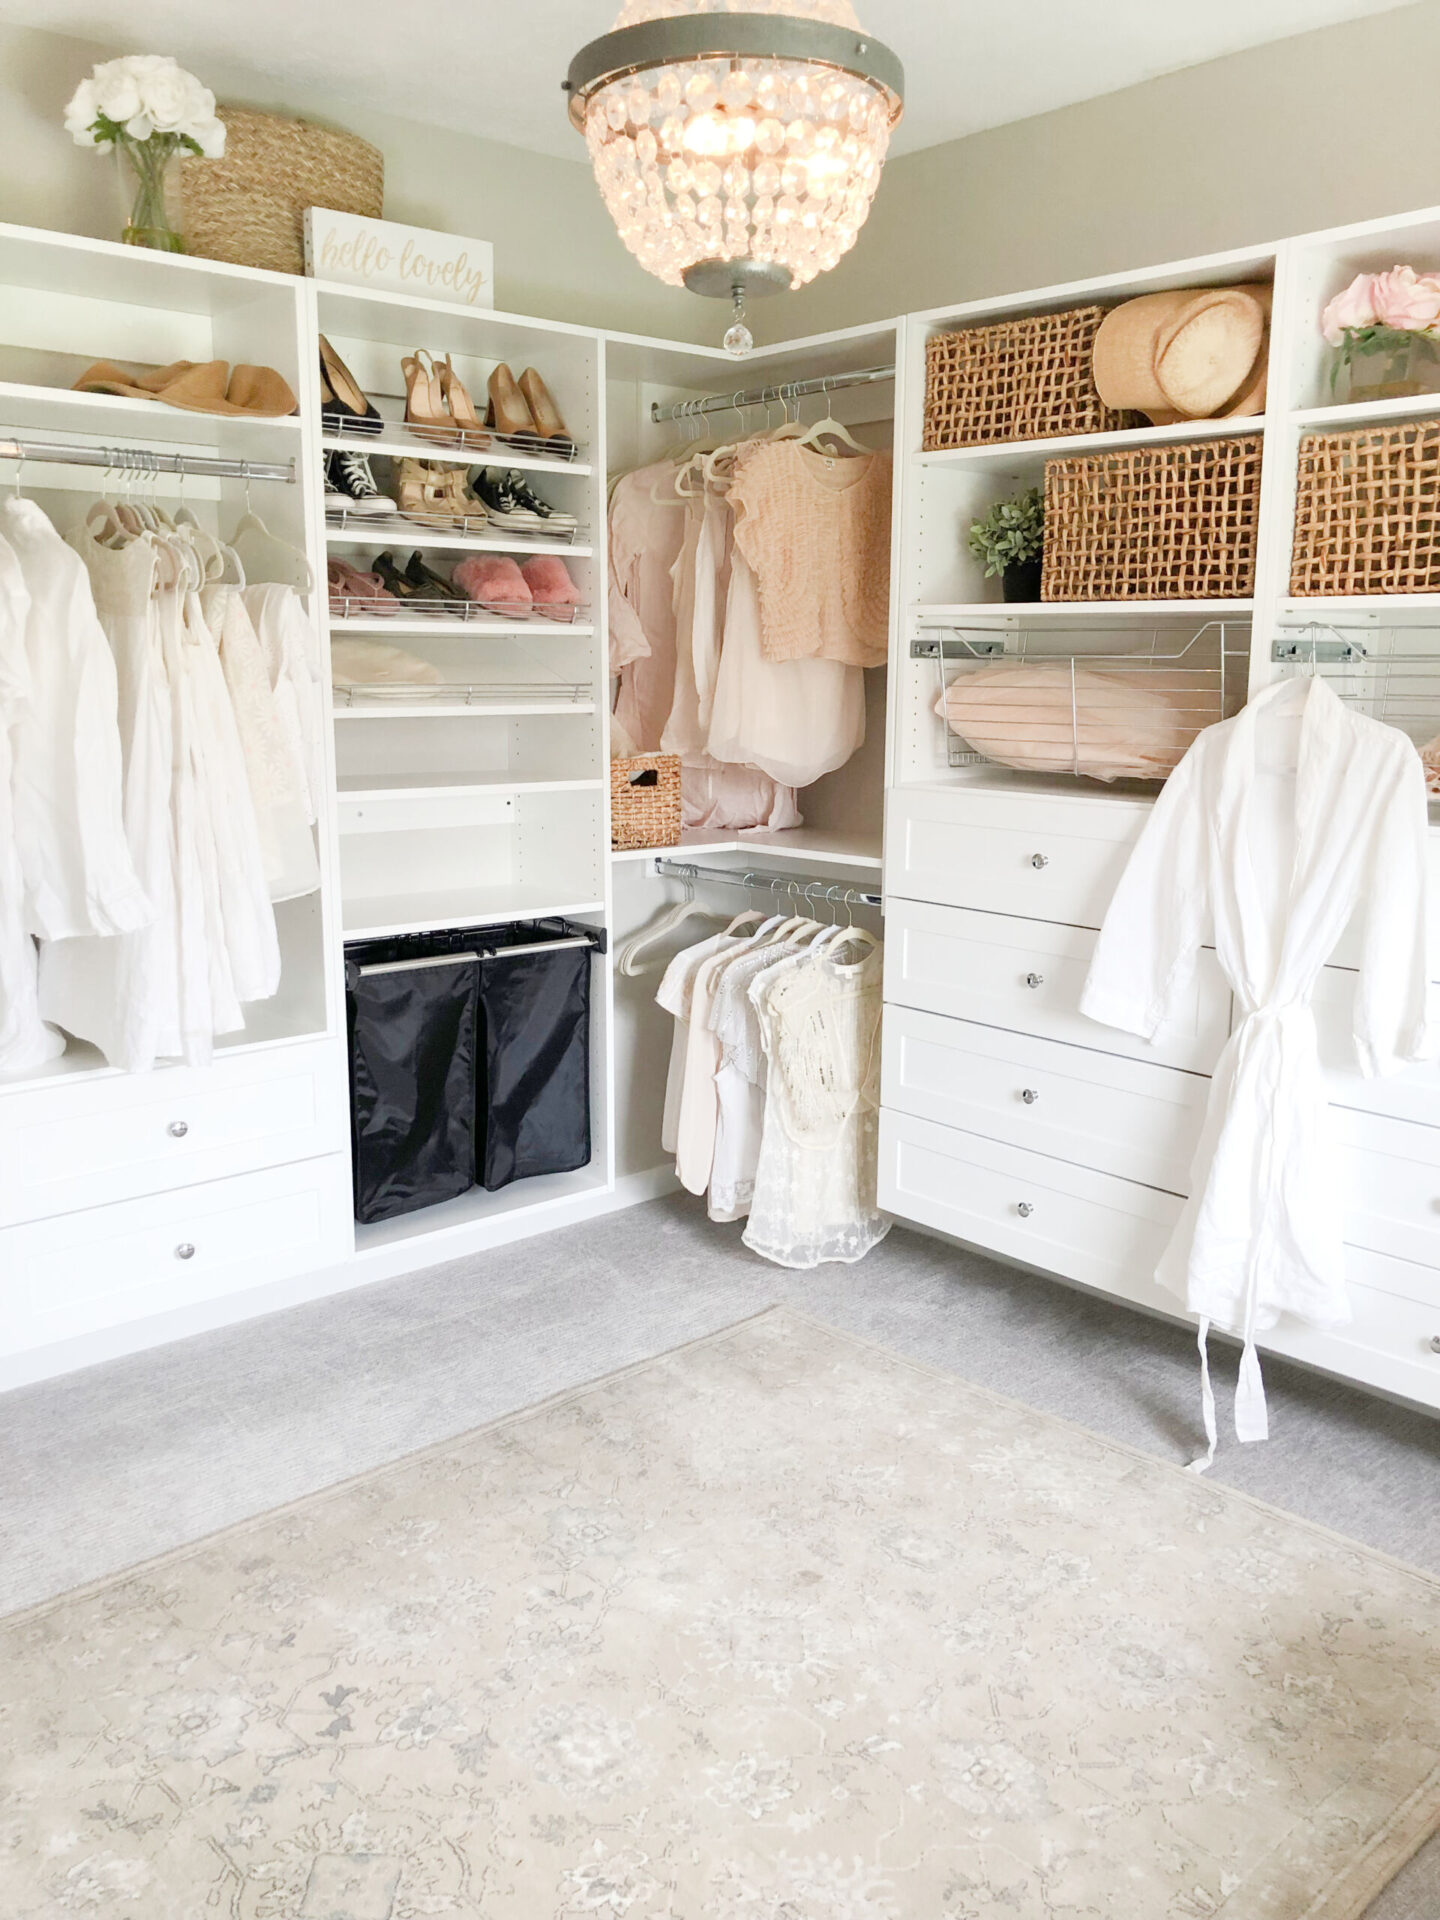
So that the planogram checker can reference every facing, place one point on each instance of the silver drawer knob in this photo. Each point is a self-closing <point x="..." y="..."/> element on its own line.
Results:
<point x="1024" y="1209"/>
<point x="185" y="1250"/>
<point x="1435" y="1343"/>
<point x="178" y="1129"/>
<point x="1029" y="1095"/>
<point x="1033" y="980"/>
<point x="1039" y="861"/>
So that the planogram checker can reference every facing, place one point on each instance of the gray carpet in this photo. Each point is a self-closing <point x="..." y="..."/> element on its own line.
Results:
<point x="110" y="1466"/>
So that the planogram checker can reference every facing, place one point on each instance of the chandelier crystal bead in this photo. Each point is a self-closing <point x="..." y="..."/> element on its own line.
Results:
<point x="737" y="146"/>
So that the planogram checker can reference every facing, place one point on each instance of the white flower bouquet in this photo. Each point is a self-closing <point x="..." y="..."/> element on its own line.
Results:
<point x="148" y="109"/>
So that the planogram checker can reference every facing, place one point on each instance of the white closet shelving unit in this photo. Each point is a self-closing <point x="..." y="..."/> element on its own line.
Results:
<point x="1010" y="1121"/>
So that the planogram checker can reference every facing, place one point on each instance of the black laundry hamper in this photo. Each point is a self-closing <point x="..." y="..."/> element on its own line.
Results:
<point x="469" y="1059"/>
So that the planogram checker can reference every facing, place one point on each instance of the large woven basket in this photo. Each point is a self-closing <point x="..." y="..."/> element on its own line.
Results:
<point x="645" y="801"/>
<point x="249" y="208"/>
<point x="1367" y="511"/>
<point x="1022" y="380"/>
<point x="1158" y="523"/>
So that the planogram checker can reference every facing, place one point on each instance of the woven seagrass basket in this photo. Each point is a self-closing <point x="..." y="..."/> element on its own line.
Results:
<point x="1022" y="380"/>
<point x="645" y="801"/>
<point x="1154" y="523"/>
<point x="249" y="208"/>
<point x="1367" y="511"/>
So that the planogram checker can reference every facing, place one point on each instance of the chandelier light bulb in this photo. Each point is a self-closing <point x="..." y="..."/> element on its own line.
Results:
<point x="737" y="143"/>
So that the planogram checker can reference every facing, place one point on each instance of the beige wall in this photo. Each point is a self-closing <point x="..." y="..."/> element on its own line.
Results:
<point x="1332" y="126"/>
<point x="556" y="253"/>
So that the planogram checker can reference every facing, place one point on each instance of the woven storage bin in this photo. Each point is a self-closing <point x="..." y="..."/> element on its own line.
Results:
<point x="1023" y="380"/>
<point x="1367" y="511"/>
<point x="645" y="801"/>
<point x="1159" y="523"/>
<point x="249" y="208"/>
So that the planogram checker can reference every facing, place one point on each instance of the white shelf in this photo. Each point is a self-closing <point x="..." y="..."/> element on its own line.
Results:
<point x="524" y="1196"/>
<point x="1399" y="606"/>
<point x="793" y="843"/>
<point x="380" y="533"/>
<point x="385" y="917"/>
<point x="1411" y="406"/>
<point x="1003" y="452"/>
<point x="483" y="623"/>
<point x="450" y="786"/>
<point x="498" y="709"/>
<point x="395" y="442"/>
<point x="115" y="417"/>
<point x="1025" y="612"/>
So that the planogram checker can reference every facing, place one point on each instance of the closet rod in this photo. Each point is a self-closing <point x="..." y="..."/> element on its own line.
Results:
<point x="141" y="460"/>
<point x="802" y="885"/>
<point x="762" y="396"/>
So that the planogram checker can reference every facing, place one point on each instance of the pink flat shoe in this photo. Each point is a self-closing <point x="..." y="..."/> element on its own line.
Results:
<point x="354" y="592"/>
<point x="496" y="584"/>
<point x="554" y="593"/>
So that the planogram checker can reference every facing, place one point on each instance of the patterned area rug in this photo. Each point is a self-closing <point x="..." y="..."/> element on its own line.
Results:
<point x="778" y="1627"/>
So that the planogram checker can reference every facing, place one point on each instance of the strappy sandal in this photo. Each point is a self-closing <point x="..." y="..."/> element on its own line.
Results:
<point x="354" y="592"/>
<point x="468" y="423"/>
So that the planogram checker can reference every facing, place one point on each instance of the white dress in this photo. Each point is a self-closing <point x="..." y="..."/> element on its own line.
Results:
<point x="815" y="1184"/>
<point x="121" y="993"/>
<point x="1275" y="830"/>
<point x="25" y="1041"/>
<point x="675" y="997"/>
<point x="291" y="646"/>
<point x="69" y="825"/>
<point x="740" y="1078"/>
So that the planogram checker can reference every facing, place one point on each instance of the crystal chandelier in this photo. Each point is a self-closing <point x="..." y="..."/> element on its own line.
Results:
<point x="738" y="147"/>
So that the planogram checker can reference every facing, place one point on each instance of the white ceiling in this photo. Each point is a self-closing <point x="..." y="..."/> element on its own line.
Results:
<point x="494" y="68"/>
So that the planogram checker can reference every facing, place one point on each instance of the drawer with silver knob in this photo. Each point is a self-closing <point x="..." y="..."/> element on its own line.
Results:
<point x="1125" y="1117"/>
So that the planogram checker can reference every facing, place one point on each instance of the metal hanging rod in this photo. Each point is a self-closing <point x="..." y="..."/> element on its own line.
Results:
<point x="141" y="460"/>
<point x="763" y="396"/>
<point x="802" y="885"/>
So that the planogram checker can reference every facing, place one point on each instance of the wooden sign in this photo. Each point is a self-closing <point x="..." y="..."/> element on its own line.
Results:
<point x="397" y="259"/>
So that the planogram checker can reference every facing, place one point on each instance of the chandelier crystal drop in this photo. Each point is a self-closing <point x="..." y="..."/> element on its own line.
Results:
<point x="737" y="146"/>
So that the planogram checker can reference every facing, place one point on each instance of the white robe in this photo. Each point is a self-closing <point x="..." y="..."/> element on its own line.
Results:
<point x="1276" y="829"/>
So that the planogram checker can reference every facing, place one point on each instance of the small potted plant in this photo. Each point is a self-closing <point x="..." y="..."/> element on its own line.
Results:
<point x="148" y="111"/>
<point x="1385" y="328"/>
<point x="1009" y="541"/>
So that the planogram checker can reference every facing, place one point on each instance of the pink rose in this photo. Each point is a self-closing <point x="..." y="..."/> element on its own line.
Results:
<point x="1407" y="301"/>
<point x="1350" y="310"/>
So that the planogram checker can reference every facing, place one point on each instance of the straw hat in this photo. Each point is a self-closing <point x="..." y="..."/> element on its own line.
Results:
<point x="198" y="386"/>
<point x="1192" y="354"/>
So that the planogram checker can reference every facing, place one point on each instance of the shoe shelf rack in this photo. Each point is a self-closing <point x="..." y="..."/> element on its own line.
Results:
<point x="397" y="442"/>
<point x="348" y="531"/>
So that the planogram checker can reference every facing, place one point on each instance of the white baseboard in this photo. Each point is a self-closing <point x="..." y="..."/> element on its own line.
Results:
<point x="364" y="1270"/>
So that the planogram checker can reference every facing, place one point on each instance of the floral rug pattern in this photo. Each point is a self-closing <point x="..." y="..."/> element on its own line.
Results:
<point x="777" y="1627"/>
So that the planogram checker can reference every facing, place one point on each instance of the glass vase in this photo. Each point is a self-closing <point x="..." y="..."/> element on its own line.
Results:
<point x="1387" y="364"/>
<point x="147" y="175"/>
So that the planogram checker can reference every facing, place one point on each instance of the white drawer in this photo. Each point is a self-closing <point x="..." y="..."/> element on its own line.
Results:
<point x="1088" y="1226"/>
<point x="1347" y="950"/>
<point x="1093" y="1109"/>
<point x="122" y="1136"/>
<point x="1026" y="975"/>
<point x="1045" y="858"/>
<point x="1388" y="1344"/>
<point x="1393" y="1190"/>
<point x="84" y="1271"/>
<point x="1411" y="1095"/>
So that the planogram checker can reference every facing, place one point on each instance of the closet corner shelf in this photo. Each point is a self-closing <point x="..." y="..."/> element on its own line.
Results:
<point x="1000" y="452"/>
<point x="1410" y="406"/>
<point x="115" y="416"/>
<point x="353" y="787"/>
<point x="496" y="707"/>
<point x="395" y="443"/>
<point x="791" y="843"/>
<point x="524" y="1199"/>
<point x="387" y="916"/>
<point x="398" y="530"/>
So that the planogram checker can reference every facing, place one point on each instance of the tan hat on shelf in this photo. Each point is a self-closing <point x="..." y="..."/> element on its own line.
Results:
<point x="199" y="386"/>
<point x="1191" y="354"/>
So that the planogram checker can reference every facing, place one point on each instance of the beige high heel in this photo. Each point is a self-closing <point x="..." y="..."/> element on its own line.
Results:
<point x="425" y="412"/>
<point x="462" y="411"/>
<point x="545" y="414"/>
<point x="509" y="411"/>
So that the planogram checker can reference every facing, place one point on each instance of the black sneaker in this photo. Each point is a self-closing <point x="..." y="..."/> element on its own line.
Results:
<point x="350" y="488"/>
<point x="526" y="497"/>
<point x="502" y="503"/>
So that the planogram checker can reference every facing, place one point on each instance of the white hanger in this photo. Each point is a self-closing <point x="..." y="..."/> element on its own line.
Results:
<point x="263" y="555"/>
<point x="644" y="944"/>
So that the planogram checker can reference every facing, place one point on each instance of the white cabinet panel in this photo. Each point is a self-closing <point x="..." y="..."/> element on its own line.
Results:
<point x="1027" y="975"/>
<point x="1093" y="1109"/>
<point x="1392" y="1172"/>
<point x="1044" y="858"/>
<point x="1087" y="1226"/>
<point x="84" y="1271"/>
<point x="86" y="1145"/>
<point x="1391" y="1341"/>
<point x="1411" y="1095"/>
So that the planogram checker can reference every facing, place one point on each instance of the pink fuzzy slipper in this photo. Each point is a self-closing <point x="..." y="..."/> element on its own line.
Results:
<point x="553" y="592"/>
<point x="495" y="584"/>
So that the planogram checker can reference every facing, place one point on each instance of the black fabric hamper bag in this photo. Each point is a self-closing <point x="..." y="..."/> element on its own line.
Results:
<point x="533" y="1111"/>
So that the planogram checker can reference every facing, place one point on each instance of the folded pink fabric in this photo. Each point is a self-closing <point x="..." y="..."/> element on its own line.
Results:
<point x="1099" y="721"/>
